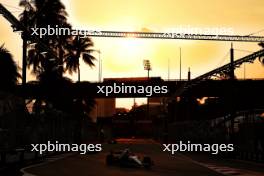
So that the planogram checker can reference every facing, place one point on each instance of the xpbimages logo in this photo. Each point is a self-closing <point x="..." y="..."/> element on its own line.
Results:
<point x="190" y="147"/>
<point x="58" y="147"/>
<point x="64" y="31"/>
<point x="129" y="89"/>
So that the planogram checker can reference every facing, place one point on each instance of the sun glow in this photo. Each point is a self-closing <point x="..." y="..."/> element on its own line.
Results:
<point x="126" y="54"/>
<point x="131" y="47"/>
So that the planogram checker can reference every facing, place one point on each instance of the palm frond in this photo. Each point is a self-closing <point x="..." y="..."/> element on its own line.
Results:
<point x="8" y="69"/>
<point x="72" y="63"/>
<point x="88" y="59"/>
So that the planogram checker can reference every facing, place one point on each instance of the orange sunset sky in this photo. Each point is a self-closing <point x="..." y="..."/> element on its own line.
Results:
<point x="124" y="57"/>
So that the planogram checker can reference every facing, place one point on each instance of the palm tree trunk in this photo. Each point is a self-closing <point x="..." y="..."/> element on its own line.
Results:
<point x="60" y="69"/>
<point x="79" y="73"/>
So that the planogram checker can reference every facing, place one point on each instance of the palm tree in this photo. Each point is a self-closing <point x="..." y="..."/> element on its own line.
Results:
<point x="45" y="66"/>
<point x="8" y="69"/>
<point x="79" y="47"/>
<point x="49" y="69"/>
<point x="41" y="14"/>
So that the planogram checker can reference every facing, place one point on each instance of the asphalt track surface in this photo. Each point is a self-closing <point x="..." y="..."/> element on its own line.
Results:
<point x="165" y="164"/>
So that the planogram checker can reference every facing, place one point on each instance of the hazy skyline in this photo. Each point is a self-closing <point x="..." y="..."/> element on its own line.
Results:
<point x="124" y="57"/>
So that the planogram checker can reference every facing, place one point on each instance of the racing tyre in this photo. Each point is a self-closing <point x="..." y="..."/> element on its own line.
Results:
<point x="109" y="160"/>
<point x="147" y="162"/>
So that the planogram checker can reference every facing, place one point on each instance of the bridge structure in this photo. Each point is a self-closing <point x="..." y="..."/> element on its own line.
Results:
<point x="206" y="88"/>
<point x="218" y="74"/>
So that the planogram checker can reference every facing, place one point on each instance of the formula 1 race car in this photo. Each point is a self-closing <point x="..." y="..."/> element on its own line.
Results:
<point x="126" y="158"/>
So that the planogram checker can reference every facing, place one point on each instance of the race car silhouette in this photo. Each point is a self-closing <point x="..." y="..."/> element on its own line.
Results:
<point x="126" y="158"/>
